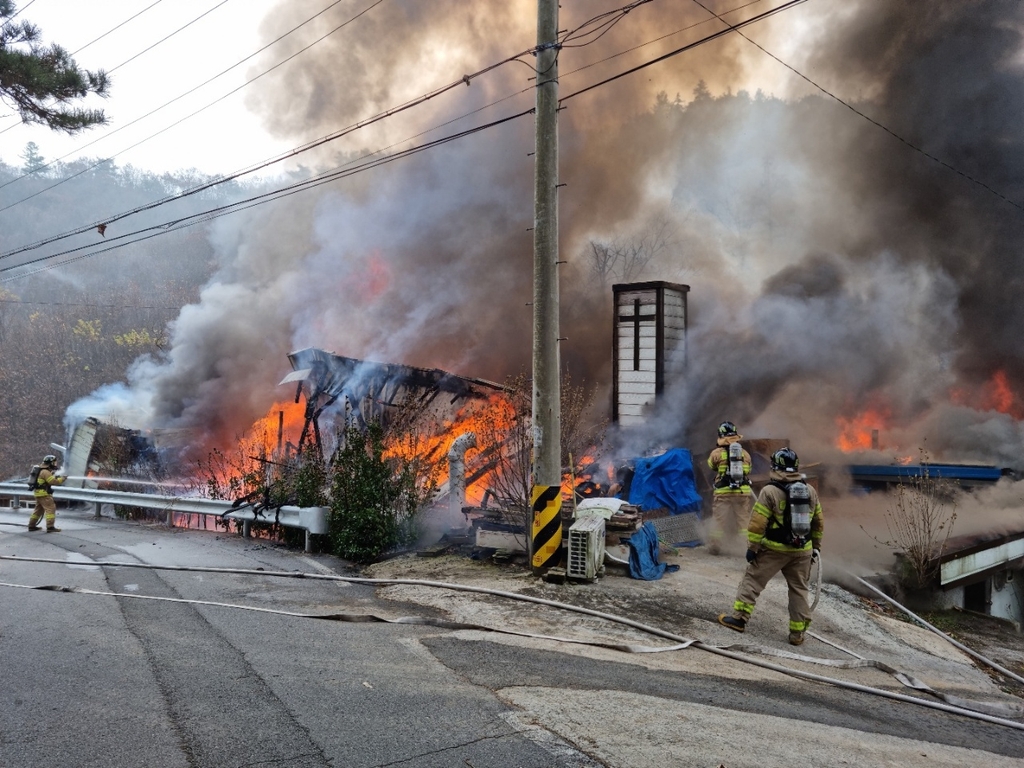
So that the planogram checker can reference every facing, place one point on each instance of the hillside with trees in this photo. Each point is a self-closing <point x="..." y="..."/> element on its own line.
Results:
<point x="66" y="331"/>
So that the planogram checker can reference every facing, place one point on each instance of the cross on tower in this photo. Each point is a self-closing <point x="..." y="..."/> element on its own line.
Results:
<point x="636" y="318"/>
<point x="650" y="317"/>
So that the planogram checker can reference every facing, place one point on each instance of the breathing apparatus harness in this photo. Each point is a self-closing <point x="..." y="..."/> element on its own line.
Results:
<point x="33" y="479"/>
<point x="734" y="476"/>
<point x="795" y="530"/>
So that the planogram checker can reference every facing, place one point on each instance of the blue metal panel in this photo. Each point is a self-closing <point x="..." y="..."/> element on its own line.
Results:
<point x="883" y="472"/>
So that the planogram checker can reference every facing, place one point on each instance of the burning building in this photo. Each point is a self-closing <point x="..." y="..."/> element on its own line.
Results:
<point x="339" y="390"/>
<point x="849" y="284"/>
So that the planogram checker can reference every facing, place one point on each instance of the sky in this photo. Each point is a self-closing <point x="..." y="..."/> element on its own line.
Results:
<point x="223" y="138"/>
<point x="228" y="135"/>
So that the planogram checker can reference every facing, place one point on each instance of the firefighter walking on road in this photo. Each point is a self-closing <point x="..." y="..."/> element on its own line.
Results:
<point x="784" y="534"/>
<point x="730" y="503"/>
<point x="43" y="479"/>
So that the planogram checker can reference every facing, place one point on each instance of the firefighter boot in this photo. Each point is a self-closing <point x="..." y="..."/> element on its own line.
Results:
<point x="739" y="625"/>
<point x="52" y="529"/>
<point x="32" y="527"/>
<point x="796" y="638"/>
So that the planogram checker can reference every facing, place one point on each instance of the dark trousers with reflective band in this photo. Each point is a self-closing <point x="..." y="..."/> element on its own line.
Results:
<point x="796" y="567"/>
<point x="45" y="505"/>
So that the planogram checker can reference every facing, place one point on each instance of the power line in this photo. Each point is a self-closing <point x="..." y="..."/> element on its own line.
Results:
<point x="272" y="196"/>
<point x="603" y="23"/>
<point x="137" y="55"/>
<point x="618" y="13"/>
<point x="732" y="28"/>
<point x="861" y="114"/>
<point x="79" y="304"/>
<point x="656" y="40"/>
<point x="155" y="230"/>
<point x="168" y="37"/>
<point x="114" y="29"/>
<point x="266" y="163"/>
<point x="17" y="12"/>
<point x="251" y="202"/>
<point x="178" y="98"/>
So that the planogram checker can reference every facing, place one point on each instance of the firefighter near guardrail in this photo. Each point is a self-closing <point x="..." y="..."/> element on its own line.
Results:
<point x="44" y="476"/>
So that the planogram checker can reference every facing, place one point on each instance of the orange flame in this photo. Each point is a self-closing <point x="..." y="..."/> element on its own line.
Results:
<point x="267" y="438"/>
<point x="855" y="432"/>
<point x="996" y="394"/>
<point x="282" y="424"/>
<point x="491" y="417"/>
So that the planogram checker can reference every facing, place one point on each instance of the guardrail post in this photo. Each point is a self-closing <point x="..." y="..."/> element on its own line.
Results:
<point x="309" y="541"/>
<point x="246" y="529"/>
<point x="170" y="518"/>
<point x="97" y="508"/>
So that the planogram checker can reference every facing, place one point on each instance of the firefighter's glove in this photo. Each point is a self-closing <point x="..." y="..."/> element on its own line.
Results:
<point x="751" y="555"/>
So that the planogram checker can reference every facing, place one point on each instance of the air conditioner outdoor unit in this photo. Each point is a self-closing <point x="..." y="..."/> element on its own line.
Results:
<point x="586" y="548"/>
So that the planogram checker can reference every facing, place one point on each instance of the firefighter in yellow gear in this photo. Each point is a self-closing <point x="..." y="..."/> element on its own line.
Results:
<point x="45" y="506"/>
<point x="730" y="502"/>
<point x="783" y="534"/>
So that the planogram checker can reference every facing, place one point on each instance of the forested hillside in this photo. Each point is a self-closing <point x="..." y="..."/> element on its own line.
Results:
<point x="66" y="331"/>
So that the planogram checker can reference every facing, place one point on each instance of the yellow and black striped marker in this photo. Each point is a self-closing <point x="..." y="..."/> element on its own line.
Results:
<point x="547" y="527"/>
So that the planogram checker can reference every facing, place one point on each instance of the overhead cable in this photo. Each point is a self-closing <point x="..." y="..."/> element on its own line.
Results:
<point x="689" y="46"/>
<point x="137" y="55"/>
<point x="266" y="163"/>
<point x="598" y="27"/>
<point x="17" y="13"/>
<point x="178" y="98"/>
<point x="158" y="229"/>
<point x="168" y="37"/>
<point x="154" y="231"/>
<point x="117" y="27"/>
<point x="278" y="158"/>
<point x="859" y="113"/>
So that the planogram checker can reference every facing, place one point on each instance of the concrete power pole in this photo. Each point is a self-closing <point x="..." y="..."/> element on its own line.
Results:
<point x="546" y="534"/>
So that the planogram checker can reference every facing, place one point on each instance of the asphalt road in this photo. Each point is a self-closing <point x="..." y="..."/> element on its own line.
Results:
<point x="115" y="681"/>
<point x="120" y="681"/>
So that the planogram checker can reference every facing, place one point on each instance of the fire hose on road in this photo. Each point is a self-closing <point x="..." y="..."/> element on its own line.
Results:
<point x="736" y="652"/>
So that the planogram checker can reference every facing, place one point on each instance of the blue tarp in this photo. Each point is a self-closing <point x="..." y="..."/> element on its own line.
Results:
<point x="665" y="482"/>
<point x="643" y="555"/>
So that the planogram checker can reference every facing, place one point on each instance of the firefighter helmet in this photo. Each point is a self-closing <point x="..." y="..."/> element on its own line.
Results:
<point x="726" y="429"/>
<point x="50" y="459"/>
<point x="785" y="460"/>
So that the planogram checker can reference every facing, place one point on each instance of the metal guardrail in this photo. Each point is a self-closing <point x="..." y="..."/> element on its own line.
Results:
<point x="313" y="520"/>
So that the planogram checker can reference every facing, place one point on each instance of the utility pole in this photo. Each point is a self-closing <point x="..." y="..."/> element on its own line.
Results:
<point x="546" y="533"/>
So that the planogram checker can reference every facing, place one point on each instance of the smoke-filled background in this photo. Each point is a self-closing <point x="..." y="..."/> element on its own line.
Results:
<point x="845" y="277"/>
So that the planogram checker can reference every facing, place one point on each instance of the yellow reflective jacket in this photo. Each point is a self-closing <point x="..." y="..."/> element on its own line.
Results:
<point x="45" y="481"/>
<point x="719" y="463"/>
<point x="769" y="510"/>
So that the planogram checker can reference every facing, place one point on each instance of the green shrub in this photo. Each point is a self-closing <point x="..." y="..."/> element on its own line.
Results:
<point x="374" y="498"/>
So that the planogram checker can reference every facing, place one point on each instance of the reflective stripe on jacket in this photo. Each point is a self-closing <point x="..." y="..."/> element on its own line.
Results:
<point x="771" y="506"/>
<point x="719" y="463"/>
<point x="46" y="480"/>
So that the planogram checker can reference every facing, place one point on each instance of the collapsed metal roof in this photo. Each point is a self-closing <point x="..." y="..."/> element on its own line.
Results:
<point x="336" y="375"/>
<point x="371" y="390"/>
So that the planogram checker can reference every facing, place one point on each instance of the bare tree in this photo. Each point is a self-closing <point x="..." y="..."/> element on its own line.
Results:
<point x="505" y="440"/>
<point x="626" y="259"/>
<point x="920" y="520"/>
